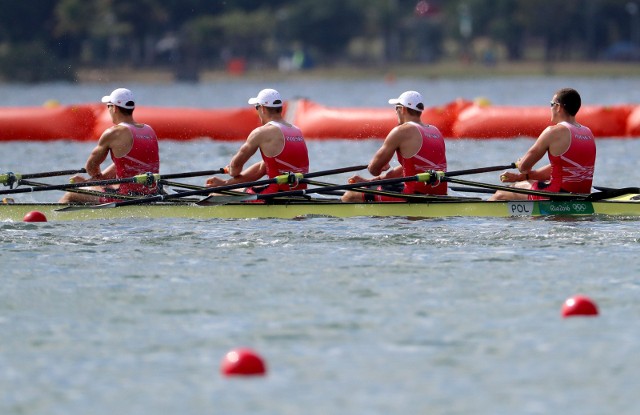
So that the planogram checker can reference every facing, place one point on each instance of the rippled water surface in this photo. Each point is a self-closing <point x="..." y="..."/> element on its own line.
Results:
<point x="353" y="316"/>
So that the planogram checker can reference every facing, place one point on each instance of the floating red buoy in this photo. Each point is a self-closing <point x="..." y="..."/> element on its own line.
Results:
<point x="243" y="362"/>
<point x="579" y="305"/>
<point x="34" y="216"/>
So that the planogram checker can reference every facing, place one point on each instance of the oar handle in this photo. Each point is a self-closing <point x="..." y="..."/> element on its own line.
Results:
<point x="53" y="173"/>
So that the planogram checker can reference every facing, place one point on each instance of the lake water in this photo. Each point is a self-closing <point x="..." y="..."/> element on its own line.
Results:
<point x="352" y="316"/>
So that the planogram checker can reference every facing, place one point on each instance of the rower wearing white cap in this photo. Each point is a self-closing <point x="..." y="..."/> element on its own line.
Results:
<point x="281" y="145"/>
<point x="133" y="148"/>
<point x="419" y="147"/>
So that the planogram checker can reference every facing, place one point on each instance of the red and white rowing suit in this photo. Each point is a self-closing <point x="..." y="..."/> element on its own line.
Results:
<point x="293" y="158"/>
<point x="571" y="171"/>
<point x="142" y="158"/>
<point x="430" y="156"/>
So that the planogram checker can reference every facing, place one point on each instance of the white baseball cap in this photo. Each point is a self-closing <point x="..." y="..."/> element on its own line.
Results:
<point x="267" y="98"/>
<point x="121" y="97"/>
<point x="409" y="99"/>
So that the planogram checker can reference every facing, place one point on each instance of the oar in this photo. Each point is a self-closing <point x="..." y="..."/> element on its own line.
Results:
<point x="479" y="170"/>
<point x="420" y="177"/>
<point x="550" y="195"/>
<point x="390" y="193"/>
<point x="430" y="177"/>
<point x="290" y="178"/>
<point x="608" y="193"/>
<point x="471" y="189"/>
<point x="147" y="178"/>
<point x="84" y="191"/>
<point x="9" y="178"/>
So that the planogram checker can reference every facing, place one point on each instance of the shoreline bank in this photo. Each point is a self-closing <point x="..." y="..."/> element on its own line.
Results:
<point x="438" y="70"/>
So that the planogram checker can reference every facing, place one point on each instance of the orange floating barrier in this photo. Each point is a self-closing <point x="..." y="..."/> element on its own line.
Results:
<point x="605" y="121"/>
<point x="190" y="123"/>
<point x="445" y="116"/>
<point x="507" y="122"/>
<point x="633" y="123"/>
<point x="73" y="122"/>
<point x="458" y="119"/>
<point x="478" y="121"/>
<point x="318" y="121"/>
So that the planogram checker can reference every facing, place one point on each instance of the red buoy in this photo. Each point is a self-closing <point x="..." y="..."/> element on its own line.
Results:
<point x="242" y="362"/>
<point x="579" y="305"/>
<point x="34" y="216"/>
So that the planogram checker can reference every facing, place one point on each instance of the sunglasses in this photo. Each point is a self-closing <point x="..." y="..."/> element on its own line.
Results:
<point x="554" y="103"/>
<point x="398" y="107"/>
<point x="258" y="106"/>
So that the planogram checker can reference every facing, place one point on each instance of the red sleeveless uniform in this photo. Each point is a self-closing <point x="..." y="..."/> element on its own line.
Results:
<point x="430" y="156"/>
<point x="142" y="158"/>
<point x="572" y="171"/>
<point x="293" y="158"/>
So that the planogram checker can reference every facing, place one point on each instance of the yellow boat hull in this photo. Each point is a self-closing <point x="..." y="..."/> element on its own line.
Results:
<point x="623" y="206"/>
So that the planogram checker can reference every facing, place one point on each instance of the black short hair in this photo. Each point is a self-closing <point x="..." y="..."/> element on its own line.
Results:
<point x="570" y="100"/>
<point x="413" y="112"/>
<point x="125" y="111"/>
<point x="274" y="110"/>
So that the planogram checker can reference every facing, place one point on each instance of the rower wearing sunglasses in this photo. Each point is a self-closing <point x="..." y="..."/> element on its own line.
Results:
<point x="571" y="149"/>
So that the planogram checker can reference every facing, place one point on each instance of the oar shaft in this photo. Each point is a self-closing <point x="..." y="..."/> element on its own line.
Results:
<point x="68" y="186"/>
<point x="335" y="171"/>
<point x="10" y="178"/>
<point x="53" y="174"/>
<point x="284" y="178"/>
<point x="278" y="179"/>
<point x="426" y="177"/>
<point x="479" y="170"/>
<point x="193" y="174"/>
<point x="147" y="178"/>
<point x="551" y="195"/>
<point x="348" y="186"/>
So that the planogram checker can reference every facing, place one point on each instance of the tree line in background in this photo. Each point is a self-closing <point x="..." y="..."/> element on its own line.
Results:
<point x="51" y="39"/>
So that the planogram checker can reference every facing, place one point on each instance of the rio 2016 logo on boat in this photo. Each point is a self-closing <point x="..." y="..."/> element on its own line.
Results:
<point x="550" y="208"/>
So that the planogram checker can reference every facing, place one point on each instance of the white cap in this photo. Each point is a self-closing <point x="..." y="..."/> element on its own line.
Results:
<point x="267" y="98"/>
<point x="121" y="97"/>
<point x="409" y="99"/>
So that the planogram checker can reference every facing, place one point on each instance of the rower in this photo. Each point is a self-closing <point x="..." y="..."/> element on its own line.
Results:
<point x="419" y="148"/>
<point x="281" y="145"/>
<point x="133" y="148"/>
<point x="571" y="149"/>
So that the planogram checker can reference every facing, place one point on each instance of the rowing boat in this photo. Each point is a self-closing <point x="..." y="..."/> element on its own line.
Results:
<point x="290" y="204"/>
<point x="621" y="206"/>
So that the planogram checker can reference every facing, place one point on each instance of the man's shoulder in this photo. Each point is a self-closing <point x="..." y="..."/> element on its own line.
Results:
<point x="115" y="132"/>
<point x="404" y="130"/>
